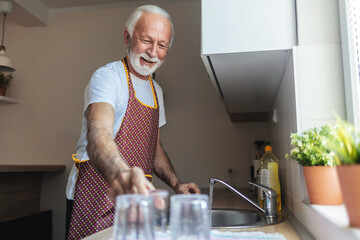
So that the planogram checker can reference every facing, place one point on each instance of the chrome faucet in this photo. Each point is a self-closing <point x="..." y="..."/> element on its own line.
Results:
<point x="270" y="205"/>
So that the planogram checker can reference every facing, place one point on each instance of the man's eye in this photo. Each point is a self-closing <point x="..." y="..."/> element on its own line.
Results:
<point x="145" y="41"/>
<point x="163" y="46"/>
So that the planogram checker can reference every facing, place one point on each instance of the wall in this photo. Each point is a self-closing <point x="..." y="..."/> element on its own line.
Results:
<point x="318" y="66"/>
<point x="311" y="91"/>
<point x="280" y="131"/>
<point x="318" y="63"/>
<point x="53" y="66"/>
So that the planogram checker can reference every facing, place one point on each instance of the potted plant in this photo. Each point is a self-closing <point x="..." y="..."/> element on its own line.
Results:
<point x="318" y="164"/>
<point x="4" y="82"/>
<point x="346" y="146"/>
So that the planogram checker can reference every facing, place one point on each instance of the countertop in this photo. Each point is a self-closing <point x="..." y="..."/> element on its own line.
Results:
<point x="224" y="198"/>
<point x="12" y="168"/>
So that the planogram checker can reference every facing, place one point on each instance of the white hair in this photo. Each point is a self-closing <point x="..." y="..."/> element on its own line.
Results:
<point x="131" y="22"/>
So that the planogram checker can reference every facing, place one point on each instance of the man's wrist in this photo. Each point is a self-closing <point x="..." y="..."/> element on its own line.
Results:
<point x="176" y="185"/>
<point x="112" y="172"/>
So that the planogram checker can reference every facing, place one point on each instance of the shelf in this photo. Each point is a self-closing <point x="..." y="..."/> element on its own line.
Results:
<point x="4" y="99"/>
<point x="32" y="168"/>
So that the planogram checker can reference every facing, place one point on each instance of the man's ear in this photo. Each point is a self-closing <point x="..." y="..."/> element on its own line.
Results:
<point x="126" y="37"/>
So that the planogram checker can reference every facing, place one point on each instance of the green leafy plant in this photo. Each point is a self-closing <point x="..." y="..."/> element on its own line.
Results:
<point x="309" y="149"/>
<point x="346" y="143"/>
<point x="5" y="80"/>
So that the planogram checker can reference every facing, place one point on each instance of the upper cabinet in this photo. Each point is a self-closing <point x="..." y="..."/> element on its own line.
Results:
<point x="245" y="46"/>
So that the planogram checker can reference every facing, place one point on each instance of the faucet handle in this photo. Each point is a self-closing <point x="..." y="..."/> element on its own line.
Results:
<point x="268" y="191"/>
<point x="270" y="204"/>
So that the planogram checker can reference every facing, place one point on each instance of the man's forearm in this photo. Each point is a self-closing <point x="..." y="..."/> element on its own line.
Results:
<point x="164" y="169"/>
<point x="101" y="147"/>
<point x="166" y="172"/>
<point x="103" y="153"/>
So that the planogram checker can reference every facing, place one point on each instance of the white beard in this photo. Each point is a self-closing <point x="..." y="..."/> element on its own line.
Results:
<point x="143" y="70"/>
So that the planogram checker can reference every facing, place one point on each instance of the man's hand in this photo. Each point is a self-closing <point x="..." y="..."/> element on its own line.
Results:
<point x="129" y="181"/>
<point x="186" y="188"/>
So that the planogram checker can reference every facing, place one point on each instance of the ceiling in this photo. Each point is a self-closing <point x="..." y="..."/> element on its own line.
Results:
<point x="31" y="13"/>
<point x="76" y="3"/>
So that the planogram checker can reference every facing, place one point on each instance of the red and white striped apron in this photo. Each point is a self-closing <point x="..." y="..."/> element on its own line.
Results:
<point x="136" y="139"/>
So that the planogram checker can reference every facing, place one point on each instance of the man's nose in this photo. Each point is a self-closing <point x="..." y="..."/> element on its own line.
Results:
<point x="152" y="50"/>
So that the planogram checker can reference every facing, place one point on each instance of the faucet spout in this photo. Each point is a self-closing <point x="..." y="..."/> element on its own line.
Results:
<point x="270" y="210"/>
<point x="214" y="180"/>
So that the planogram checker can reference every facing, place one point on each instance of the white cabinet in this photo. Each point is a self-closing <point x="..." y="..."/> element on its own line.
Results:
<point x="245" y="47"/>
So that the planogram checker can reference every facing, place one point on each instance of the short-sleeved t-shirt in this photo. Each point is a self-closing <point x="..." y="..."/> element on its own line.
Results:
<point x="109" y="85"/>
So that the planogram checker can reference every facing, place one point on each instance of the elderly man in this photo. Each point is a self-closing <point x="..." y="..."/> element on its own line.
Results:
<point x="119" y="148"/>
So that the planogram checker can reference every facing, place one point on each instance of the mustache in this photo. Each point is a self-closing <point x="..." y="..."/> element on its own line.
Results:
<point x="148" y="58"/>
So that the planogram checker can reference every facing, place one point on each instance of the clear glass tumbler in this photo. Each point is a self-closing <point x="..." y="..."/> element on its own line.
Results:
<point x="133" y="217"/>
<point x="189" y="217"/>
<point x="161" y="199"/>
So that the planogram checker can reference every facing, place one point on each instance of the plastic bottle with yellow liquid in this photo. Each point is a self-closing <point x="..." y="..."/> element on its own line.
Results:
<point x="269" y="171"/>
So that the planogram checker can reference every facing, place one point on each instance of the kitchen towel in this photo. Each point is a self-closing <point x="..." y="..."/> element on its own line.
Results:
<point x="220" y="235"/>
<point x="225" y="235"/>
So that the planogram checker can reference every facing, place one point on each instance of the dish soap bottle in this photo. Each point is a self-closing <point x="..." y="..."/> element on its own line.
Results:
<point x="269" y="171"/>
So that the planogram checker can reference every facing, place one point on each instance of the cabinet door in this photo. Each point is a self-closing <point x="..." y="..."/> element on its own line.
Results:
<point x="247" y="25"/>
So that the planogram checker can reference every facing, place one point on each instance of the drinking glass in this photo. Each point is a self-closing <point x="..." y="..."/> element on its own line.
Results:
<point x="160" y="198"/>
<point x="133" y="217"/>
<point x="189" y="217"/>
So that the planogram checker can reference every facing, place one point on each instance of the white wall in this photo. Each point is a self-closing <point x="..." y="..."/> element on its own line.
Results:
<point x="311" y="90"/>
<point x="53" y="66"/>
<point x="318" y="63"/>
<point x="319" y="84"/>
<point x="285" y="107"/>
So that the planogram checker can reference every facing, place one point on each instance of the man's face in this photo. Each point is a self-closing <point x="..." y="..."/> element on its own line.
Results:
<point x="149" y="44"/>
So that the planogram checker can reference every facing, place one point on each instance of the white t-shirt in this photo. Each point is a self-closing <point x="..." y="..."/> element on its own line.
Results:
<point x="109" y="84"/>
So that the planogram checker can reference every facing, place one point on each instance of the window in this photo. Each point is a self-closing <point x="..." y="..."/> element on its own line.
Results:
<point x="350" y="38"/>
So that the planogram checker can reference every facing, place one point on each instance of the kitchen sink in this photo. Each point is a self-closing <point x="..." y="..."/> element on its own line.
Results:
<point x="245" y="218"/>
<point x="240" y="218"/>
<point x="236" y="218"/>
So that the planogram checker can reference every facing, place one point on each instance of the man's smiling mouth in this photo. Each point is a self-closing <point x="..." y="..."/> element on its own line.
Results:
<point x="148" y="61"/>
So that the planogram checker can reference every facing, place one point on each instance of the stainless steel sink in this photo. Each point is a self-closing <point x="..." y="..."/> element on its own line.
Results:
<point x="237" y="218"/>
<point x="243" y="218"/>
<point x="240" y="218"/>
